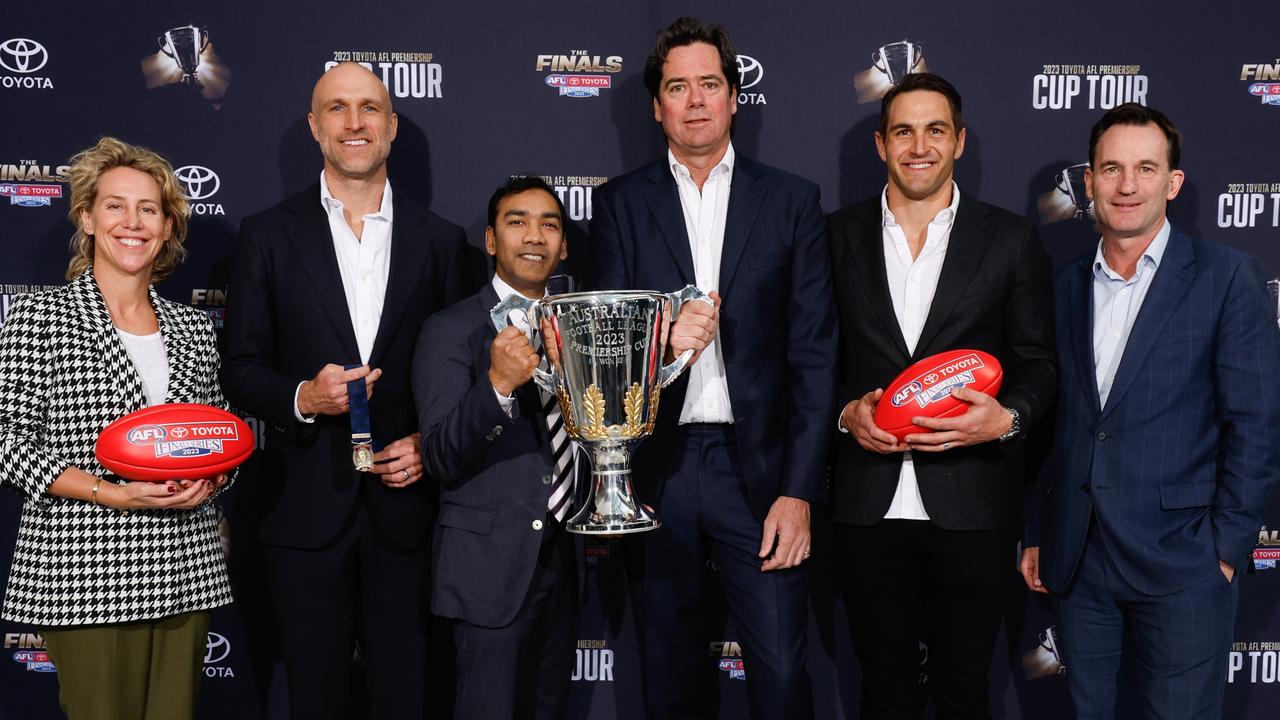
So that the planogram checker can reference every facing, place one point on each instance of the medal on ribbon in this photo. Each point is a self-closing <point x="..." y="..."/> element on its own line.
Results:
<point x="361" y="430"/>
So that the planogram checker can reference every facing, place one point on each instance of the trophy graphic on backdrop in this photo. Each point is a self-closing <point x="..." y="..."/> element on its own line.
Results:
<point x="185" y="45"/>
<point x="897" y="60"/>
<point x="1068" y="200"/>
<point x="606" y="372"/>
<point x="186" y="57"/>
<point x="889" y="64"/>
<point x="1045" y="659"/>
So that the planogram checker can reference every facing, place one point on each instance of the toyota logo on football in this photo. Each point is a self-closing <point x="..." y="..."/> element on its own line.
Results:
<point x="216" y="648"/>
<point x="22" y="55"/>
<point x="200" y="181"/>
<point x="750" y="71"/>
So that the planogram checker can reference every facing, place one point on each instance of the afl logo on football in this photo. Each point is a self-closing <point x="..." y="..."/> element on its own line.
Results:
<point x="147" y="434"/>
<point x="903" y="396"/>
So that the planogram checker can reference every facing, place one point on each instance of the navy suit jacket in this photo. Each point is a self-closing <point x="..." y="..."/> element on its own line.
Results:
<point x="993" y="294"/>
<point x="494" y="471"/>
<point x="1176" y="466"/>
<point x="777" y="320"/>
<point x="287" y="317"/>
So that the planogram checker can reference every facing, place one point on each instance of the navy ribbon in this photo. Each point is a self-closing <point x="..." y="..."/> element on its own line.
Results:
<point x="361" y="428"/>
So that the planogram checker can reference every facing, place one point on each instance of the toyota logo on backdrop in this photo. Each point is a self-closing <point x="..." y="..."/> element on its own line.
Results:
<point x="750" y="71"/>
<point x="200" y="181"/>
<point x="216" y="648"/>
<point x="22" y="55"/>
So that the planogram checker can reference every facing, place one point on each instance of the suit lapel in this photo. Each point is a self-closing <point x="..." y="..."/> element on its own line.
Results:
<point x="1168" y="287"/>
<point x="313" y="244"/>
<point x="970" y="235"/>
<point x="409" y="252"/>
<point x="1080" y="299"/>
<point x="867" y="251"/>
<point x="663" y="200"/>
<point x="745" y="196"/>
<point x="127" y="384"/>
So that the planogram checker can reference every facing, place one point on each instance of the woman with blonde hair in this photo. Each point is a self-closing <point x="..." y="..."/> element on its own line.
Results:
<point x="118" y="576"/>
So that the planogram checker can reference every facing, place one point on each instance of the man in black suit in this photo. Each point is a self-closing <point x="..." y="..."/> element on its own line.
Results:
<point x="739" y="450"/>
<point x="343" y="275"/>
<point x="503" y="564"/>
<point x="923" y="527"/>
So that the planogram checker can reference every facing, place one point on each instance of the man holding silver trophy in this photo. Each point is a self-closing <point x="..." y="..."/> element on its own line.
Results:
<point x="738" y="450"/>
<point x="504" y="450"/>
<point x="503" y="565"/>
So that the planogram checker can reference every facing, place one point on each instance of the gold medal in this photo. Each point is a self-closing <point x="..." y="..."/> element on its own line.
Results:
<point x="362" y="457"/>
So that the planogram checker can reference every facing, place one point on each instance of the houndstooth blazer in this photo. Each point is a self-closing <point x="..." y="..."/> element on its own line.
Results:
<point x="64" y="375"/>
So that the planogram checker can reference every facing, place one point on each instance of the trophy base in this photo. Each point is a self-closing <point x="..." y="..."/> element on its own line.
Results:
<point x="612" y="508"/>
<point x="611" y="529"/>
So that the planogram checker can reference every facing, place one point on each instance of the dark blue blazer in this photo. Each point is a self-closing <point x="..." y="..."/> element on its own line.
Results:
<point x="494" y="471"/>
<point x="287" y="317"/>
<point x="777" y="320"/>
<point x="1176" y="466"/>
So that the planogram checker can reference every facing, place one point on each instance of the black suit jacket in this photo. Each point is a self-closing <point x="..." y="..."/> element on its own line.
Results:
<point x="777" y="326"/>
<point x="494" y="471"/>
<point x="994" y="294"/>
<point x="287" y="317"/>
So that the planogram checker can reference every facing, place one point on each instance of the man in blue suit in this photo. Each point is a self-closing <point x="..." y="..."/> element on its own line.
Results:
<point x="1167" y="437"/>
<point x="739" y="451"/>
<point x="503" y="566"/>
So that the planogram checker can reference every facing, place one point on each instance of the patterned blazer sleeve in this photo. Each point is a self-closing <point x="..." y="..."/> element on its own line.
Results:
<point x="26" y="372"/>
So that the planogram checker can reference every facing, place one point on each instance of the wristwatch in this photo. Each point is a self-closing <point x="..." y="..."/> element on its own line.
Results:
<point x="1015" y="427"/>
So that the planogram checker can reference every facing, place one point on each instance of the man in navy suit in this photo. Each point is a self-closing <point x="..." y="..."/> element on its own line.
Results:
<point x="342" y="274"/>
<point x="503" y="564"/>
<point x="1167" y="437"/>
<point x="739" y="451"/>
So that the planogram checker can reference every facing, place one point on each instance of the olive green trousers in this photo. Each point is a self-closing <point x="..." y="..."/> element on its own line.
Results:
<point x="146" y="670"/>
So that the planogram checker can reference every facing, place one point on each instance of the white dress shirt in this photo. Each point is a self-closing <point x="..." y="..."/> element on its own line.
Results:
<point x="364" y="263"/>
<point x="705" y="210"/>
<point x="1116" y="303"/>
<point x="912" y="284"/>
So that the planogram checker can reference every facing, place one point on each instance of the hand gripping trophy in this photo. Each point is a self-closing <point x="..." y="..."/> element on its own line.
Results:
<point x="605" y="369"/>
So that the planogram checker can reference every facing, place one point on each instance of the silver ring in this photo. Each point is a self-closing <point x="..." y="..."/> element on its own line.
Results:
<point x="946" y="445"/>
<point x="406" y="473"/>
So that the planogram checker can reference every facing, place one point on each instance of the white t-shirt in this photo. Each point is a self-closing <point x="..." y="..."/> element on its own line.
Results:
<point x="151" y="362"/>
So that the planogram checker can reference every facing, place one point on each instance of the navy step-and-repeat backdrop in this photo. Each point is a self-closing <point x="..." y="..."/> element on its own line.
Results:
<point x="487" y="90"/>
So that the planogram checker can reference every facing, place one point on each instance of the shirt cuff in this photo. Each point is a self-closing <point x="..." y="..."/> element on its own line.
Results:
<point x="506" y="402"/>
<point x="297" y="414"/>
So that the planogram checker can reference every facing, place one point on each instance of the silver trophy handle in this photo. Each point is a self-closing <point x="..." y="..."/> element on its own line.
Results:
<point x="678" y="299"/>
<point x="500" y="316"/>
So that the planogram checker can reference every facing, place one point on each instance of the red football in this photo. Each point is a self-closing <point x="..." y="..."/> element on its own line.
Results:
<point x="924" y="389"/>
<point x="174" y="441"/>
